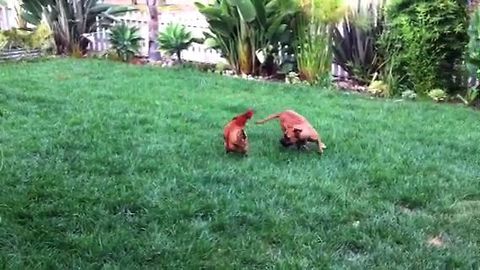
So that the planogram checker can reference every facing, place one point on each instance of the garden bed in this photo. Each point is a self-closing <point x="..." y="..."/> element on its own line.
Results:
<point x="344" y="84"/>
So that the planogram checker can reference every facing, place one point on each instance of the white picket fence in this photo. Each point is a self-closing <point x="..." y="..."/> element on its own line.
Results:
<point x="7" y="18"/>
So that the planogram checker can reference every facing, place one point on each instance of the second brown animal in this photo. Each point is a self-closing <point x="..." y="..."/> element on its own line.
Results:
<point x="296" y="130"/>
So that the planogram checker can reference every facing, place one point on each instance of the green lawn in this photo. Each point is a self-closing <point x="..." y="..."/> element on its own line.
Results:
<point x="110" y="166"/>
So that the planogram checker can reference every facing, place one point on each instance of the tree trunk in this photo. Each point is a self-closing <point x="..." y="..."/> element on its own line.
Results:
<point x="153" y="53"/>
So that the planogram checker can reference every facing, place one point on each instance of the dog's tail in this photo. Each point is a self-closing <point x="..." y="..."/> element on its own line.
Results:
<point x="270" y="117"/>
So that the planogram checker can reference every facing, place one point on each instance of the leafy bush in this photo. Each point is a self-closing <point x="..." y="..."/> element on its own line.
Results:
<point x="220" y="68"/>
<point x="71" y="21"/>
<point x="379" y="88"/>
<point x="292" y="78"/>
<point x="355" y="42"/>
<point x="175" y="39"/>
<point x="125" y="41"/>
<point x="314" y="58"/>
<point x="3" y="41"/>
<point x="313" y="31"/>
<point x="472" y="96"/>
<point x="409" y="94"/>
<point x="243" y="29"/>
<point x="39" y="38"/>
<point x="17" y="38"/>
<point x="387" y="74"/>
<point x="428" y="40"/>
<point x="473" y="52"/>
<point x="438" y="95"/>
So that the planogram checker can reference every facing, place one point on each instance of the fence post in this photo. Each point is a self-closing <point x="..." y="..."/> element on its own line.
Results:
<point x="6" y="17"/>
<point x="2" y="16"/>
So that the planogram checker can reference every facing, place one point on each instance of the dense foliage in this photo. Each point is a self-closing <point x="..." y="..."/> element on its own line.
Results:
<point x="248" y="32"/>
<point x="38" y="38"/>
<point x="472" y="96"/>
<point x="71" y="21"/>
<point x="427" y="39"/>
<point x="473" y="52"/>
<point x="313" y="33"/>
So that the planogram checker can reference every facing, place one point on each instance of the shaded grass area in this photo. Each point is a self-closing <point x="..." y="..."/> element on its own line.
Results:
<point x="110" y="166"/>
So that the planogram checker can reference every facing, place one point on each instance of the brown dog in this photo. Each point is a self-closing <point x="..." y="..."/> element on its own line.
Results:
<point x="234" y="135"/>
<point x="296" y="130"/>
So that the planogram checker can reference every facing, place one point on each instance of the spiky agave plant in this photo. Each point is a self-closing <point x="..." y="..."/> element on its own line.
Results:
<point x="175" y="39"/>
<point x="125" y="41"/>
<point x="355" y="42"/>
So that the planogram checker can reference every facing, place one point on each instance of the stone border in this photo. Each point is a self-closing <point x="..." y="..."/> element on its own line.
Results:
<point x="19" y="54"/>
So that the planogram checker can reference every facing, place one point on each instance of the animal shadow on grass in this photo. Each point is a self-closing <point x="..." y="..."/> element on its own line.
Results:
<point x="293" y="150"/>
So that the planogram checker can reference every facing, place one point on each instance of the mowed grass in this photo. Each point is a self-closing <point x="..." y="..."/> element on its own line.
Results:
<point x="111" y="166"/>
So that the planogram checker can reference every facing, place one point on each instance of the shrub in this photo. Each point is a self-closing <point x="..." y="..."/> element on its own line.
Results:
<point x="71" y="21"/>
<point x="241" y="30"/>
<point x="437" y="94"/>
<point x="388" y="76"/>
<point x="175" y="39"/>
<point x="473" y="52"/>
<point x="292" y="78"/>
<point x="355" y="42"/>
<point x="17" y="39"/>
<point x="378" y="88"/>
<point x="428" y="40"/>
<point x="41" y="37"/>
<point x="38" y="38"/>
<point x="472" y="96"/>
<point x="3" y="41"/>
<point x="125" y="41"/>
<point x="220" y="68"/>
<point x="313" y="31"/>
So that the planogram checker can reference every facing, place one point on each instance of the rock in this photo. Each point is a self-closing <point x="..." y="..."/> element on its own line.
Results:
<point x="350" y="85"/>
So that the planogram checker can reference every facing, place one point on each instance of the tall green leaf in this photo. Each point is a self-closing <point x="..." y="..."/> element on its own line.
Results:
<point x="241" y="28"/>
<point x="355" y="43"/>
<point x="246" y="9"/>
